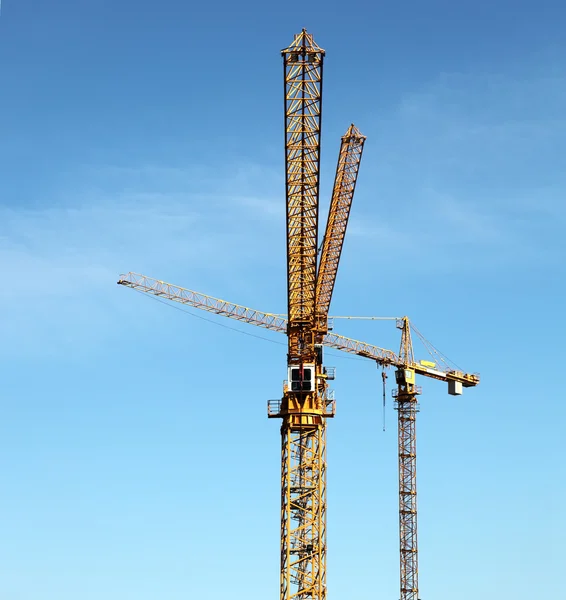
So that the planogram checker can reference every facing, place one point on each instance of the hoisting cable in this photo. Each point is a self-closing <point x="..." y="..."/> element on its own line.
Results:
<point x="384" y="379"/>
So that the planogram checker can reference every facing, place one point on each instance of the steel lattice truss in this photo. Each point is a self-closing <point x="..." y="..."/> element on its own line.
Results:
<point x="303" y="61"/>
<point x="407" y="408"/>
<point x="303" y="512"/>
<point x="161" y="289"/>
<point x="349" y="159"/>
<point x="279" y="323"/>
<point x="271" y="321"/>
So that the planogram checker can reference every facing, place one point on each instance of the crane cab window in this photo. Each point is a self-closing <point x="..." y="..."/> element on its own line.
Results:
<point x="301" y="378"/>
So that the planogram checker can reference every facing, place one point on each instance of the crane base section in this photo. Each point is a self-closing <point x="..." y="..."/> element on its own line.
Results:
<point x="407" y="408"/>
<point x="303" y="512"/>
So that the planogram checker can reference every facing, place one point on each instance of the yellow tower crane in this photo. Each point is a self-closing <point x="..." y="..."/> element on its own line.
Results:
<point x="303" y="408"/>
<point x="406" y="392"/>
<point x="307" y="402"/>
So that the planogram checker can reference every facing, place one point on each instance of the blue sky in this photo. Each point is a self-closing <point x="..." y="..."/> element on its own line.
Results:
<point x="136" y="459"/>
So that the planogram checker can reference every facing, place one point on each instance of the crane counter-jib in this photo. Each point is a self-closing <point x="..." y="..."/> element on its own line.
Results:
<point x="466" y="379"/>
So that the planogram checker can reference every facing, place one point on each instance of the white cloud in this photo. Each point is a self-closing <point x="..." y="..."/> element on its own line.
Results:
<point x="468" y="170"/>
<point x="60" y="262"/>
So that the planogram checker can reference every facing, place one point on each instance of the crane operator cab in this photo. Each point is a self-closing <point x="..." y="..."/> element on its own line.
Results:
<point x="405" y="377"/>
<point x="301" y="378"/>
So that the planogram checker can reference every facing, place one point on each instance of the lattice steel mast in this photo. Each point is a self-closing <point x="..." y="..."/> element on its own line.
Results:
<point x="407" y="407"/>
<point x="303" y="407"/>
<point x="302" y="62"/>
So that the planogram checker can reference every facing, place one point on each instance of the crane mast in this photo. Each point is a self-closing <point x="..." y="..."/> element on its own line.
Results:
<point x="302" y="62"/>
<point x="303" y="408"/>
<point x="407" y="407"/>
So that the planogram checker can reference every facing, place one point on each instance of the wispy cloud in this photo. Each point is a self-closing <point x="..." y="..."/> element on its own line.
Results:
<point x="60" y="262"/>
<point x="470" y="169"/>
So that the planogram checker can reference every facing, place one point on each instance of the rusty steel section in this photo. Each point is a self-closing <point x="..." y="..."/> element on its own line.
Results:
<point x="303" y="61"/>
<point x="347" y="169"/>
<point x="407" y="408"/>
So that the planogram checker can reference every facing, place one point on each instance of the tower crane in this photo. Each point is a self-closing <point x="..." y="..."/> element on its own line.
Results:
<point x="307" y="401"/>
<point x="405" y="394"/>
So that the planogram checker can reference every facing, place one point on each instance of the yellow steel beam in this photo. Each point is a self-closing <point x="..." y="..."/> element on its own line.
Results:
<point x="349" y="159"/>
<point x="162" y="289"/>
<point x="303" y="61"/>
